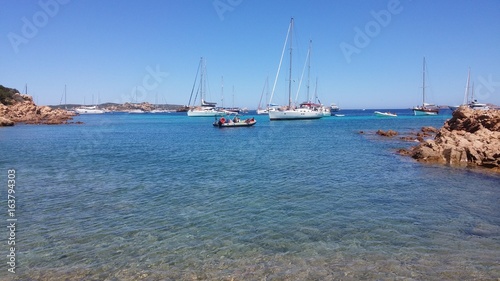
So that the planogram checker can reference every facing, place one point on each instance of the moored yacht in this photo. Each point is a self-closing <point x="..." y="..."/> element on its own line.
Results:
<point x="425" y="108"/>
<point x="205" y="109"/>
<point x="89" y="110"/>
<point x="306" y="110"/>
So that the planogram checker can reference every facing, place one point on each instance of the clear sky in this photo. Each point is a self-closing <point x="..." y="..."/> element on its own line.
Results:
<point x="365" y="54"/>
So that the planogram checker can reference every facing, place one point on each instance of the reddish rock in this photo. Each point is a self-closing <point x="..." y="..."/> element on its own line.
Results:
<point x="470" y="137"/>
<point x="6" y="122"/>
<point x="22" y="109"/>
<point x="389" y="133"/>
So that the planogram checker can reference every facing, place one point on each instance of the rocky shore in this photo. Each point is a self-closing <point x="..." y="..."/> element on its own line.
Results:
<point x="470" y="138"/>
<point x="18" y="108"/>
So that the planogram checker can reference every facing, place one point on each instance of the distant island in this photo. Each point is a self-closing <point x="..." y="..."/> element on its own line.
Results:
<point x="126" y="107"/>
<point x="20" y="108"/>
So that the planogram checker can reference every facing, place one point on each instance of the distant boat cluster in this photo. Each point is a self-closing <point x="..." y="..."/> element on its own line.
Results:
<point x="311" y="108"/>
<point x="101" y="110"/>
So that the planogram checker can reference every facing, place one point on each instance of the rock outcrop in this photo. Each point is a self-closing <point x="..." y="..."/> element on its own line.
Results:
<point x="21" y="108"/>
<point x="389" y="133"/>
<point x="470" y="137"/>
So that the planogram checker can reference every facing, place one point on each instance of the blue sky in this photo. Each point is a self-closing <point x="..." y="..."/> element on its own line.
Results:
<point x="365" y="54"/>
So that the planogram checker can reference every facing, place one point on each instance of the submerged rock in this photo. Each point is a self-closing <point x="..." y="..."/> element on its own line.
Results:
<point x="388" y="133"/>
<point x="470" y="137"/>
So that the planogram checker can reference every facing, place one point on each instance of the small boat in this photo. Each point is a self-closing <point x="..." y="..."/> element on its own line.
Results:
<point x="339" y="115"/>
<point x="385" y="114"/>
<point x="235" y="122"/>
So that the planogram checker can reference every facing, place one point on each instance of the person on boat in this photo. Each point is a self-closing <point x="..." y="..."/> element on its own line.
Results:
<point x="222" y="120"/>
<point x="249" y="120"/>
<point x="236" y="119"/>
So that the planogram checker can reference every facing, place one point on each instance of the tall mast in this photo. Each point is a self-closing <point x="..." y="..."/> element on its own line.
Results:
<point x="472" y="95"/>
<point x="65" y="103"/>
<point x="309" y="69"/>
<point x="201" y="81"/>
<point x="222" y="90"/>
<point x="290" y="75"/>
<point x="316" y="92"/>
<point x="423" y="83"/>
<point x="466" y="98"/>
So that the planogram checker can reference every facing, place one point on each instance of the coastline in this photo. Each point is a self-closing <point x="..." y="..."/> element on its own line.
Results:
<point x="19" y="108"/>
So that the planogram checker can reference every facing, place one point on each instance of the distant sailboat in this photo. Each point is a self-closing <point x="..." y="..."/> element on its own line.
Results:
<point x="265" y="110"/>
<point x="89" y="109"/>
<point x="476" y="105"/>
<point x="470" y="101"/>
<point x="425" y="108"/>
<point x="205" y="109"/>
<point x="306" y="110"/>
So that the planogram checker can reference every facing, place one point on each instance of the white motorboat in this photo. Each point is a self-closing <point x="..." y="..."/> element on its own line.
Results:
<point x="385" y="114"/>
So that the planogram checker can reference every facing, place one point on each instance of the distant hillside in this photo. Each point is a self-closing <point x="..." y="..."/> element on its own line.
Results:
<point x="7" y="95"/>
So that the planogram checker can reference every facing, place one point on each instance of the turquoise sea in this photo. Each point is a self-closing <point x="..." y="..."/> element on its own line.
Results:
<point x="168" y="197"/>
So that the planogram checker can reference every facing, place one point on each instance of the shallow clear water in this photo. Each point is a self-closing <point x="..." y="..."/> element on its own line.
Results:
<point x="167" y="197"/>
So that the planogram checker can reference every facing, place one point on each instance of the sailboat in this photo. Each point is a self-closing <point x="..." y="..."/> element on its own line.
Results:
<point x="205" y="109"/>
<point x="425" y="108"/>
<point x="261" y="110"/>
<point x="326" y="109"/>
<point x="289" y="112"/>
<point x="470" y="102"/>
<point x="476" y="105"/>
<point x="466" y="95"/>
<point x="89" y="109"/>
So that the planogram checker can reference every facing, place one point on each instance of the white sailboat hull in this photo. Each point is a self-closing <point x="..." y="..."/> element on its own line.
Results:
<point x="294" y="114"/>
<point x="423" y="112"/>
<point x="136" y="111"/>
<point x="89" y="110"/>
<point x="204" y="113"/>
